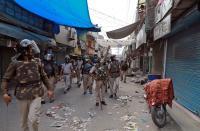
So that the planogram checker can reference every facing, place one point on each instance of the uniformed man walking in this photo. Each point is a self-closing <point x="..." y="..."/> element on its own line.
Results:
<point x="87" y="79"/>
<point x="100" y="75"/>
<point x="66" y="71"/>
<point x="29" y="75"/>
<point x="114" y="72"/>
<point x="79" y="73"/>
<point x="51" y="70"/>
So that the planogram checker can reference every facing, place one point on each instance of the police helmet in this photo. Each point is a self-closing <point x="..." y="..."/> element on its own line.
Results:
<point x="26" y="43"/>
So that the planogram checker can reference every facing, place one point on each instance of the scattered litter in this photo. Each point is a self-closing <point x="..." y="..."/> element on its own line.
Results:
<point x="50" y="113"/>
<point x="92" y="115"/>
<point x="62" y="116"/>
<point x="127" y="118"/>
<point x="124" y="99"/>
<point x="131" y="126"/>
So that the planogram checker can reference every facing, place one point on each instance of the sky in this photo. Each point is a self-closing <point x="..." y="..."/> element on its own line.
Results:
<point x="112" y="14"/>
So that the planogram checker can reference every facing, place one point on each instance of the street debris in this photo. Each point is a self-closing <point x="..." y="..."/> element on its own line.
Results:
<point x="124" y="100"/>
<point x="127" y="118"/>
<point x="131" y="126"/>
<point x="62" y="116"/>
<point x="92" y="115"/>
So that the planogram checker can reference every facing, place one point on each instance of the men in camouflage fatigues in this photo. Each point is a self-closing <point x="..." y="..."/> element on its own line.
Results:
<point x="100" y="75"/>
<point x="29" y="75"/>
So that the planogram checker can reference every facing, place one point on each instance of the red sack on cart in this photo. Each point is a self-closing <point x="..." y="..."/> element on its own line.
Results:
<point x="160" y="91"/>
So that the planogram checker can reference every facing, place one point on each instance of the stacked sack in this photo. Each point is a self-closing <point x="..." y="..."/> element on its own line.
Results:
<point x="160" y="91"/>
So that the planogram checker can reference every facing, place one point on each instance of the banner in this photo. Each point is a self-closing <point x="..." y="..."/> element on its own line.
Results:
<point x="163" y="28"/>
<point x="162" y="9"/>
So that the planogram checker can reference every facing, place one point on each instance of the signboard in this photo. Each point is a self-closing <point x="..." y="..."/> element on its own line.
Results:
<point x="163" y="28"/>
<point x="162" y="9"/>
<point x="141" y="37"/>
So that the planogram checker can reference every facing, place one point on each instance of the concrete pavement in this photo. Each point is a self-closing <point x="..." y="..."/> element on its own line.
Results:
<point x="81" y="110"/>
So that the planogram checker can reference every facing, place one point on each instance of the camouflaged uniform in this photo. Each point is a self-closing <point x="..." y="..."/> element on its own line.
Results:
<point x="100" y="77"/>
<point x="29" y="76"/>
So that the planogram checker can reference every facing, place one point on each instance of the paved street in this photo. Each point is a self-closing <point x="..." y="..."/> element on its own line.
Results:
<point x="73" y="111"/>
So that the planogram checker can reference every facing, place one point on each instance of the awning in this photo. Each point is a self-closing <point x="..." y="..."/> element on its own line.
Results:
<point x="19" y="33"/>
<point x="72" y="13"/>
<point x="123" y="32"/>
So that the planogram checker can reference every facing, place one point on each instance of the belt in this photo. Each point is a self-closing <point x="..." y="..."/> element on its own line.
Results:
<point x="37" y="82"/>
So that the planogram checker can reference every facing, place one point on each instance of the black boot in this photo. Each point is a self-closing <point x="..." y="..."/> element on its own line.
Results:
<point x="43" y="102"/>
<point x="103" y="103"/>
<point x="97" y="103"/>
<point x="79" y="85"/>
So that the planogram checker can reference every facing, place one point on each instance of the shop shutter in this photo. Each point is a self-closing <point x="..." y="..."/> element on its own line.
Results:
<point x="183" y="66"/>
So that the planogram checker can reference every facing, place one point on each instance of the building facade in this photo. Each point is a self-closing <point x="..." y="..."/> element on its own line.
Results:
<point x="17" y="24"/>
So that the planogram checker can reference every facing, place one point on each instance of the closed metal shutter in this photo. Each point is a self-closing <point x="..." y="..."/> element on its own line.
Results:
<point x="183" y="66"/>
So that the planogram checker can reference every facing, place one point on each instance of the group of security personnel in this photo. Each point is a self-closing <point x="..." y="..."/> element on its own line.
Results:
<point x="105" y="73"/>
<point x="34" y="76"/>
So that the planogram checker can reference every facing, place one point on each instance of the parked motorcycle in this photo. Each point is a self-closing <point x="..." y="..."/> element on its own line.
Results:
<point x="159" y="94"/>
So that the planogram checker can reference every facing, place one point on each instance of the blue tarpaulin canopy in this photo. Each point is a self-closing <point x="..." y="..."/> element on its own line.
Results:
<point x="72" y="13"/>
